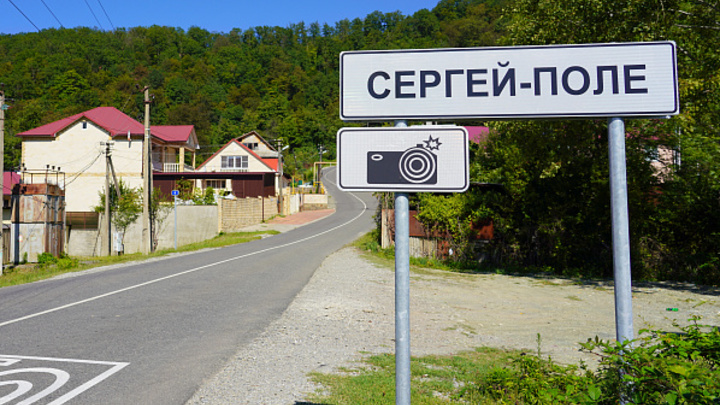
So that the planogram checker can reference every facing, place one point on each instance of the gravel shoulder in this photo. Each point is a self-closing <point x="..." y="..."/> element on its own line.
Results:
<point x="347" y="311"/>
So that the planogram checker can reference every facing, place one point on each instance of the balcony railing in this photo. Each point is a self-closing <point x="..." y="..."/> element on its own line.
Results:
<point x="172" y="167"/>
<point x="224" y="170"/>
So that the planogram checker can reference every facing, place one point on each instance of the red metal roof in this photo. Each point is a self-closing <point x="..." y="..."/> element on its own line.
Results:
<point x="272" y="162"/>
<point x="172" y="133"/>
<point x="109" y="118"/>
<point x="9" y="180"/>
<point x="116" y="123"/>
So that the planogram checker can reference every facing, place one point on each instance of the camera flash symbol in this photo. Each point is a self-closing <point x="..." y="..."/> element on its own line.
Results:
<point x="432" y="143"/>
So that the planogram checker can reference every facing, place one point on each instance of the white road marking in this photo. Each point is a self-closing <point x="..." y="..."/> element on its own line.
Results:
<point x="194" y="270"/>
<point x="23" y="387"/>
<point x="61" y="378"/>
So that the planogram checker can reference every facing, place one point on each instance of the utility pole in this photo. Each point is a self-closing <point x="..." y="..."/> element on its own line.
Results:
<point x="2" y="185"/>
<point x="280" y="178"/>
<point x="147" y="181"/>
<point x="108" y="221"/>
<point x="321" y="150"/>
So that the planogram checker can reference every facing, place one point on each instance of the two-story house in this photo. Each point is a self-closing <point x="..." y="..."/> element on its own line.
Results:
<point x="77" y="145"/>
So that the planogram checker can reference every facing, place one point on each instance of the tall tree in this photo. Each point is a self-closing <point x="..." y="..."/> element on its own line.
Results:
<point x="675" y="225"/>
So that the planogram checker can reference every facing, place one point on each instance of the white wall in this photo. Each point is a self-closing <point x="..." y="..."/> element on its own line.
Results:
<point x="79" y="154"/>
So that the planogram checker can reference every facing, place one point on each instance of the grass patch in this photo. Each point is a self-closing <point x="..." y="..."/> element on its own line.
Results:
<point x="50" y="266"/>
<point x="435" y="379"/>
<point x="224" y="239"/>
<point x="660" y="368"/>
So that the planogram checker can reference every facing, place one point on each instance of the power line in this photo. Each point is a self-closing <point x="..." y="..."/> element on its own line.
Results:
<point x="26" y="17"/>
<point x="84" y="169"/>
<point x="53" y="14"/>
<point x="106" y="15"/>
<point x="93" y="13"/>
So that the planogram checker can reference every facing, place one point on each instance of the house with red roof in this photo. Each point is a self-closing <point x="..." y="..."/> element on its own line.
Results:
<point x="235" y="156"/>
<point x="246" y="166"/>
<point x="76" y="145"/>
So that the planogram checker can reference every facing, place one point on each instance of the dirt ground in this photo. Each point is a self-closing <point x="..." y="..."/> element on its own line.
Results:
<point x="509" y="311"/>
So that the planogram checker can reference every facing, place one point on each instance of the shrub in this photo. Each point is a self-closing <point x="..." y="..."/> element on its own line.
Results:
<point x="664" y="367"/>
<point x="67" y="262"/>
<point x="657" y="368"/>
<point x="46" y="258"/>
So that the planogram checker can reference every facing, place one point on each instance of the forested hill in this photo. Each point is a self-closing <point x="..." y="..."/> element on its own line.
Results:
<point x="282" y="81"/>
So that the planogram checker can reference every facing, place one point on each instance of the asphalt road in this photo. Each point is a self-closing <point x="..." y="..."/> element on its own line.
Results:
<point x="150" y="333"/>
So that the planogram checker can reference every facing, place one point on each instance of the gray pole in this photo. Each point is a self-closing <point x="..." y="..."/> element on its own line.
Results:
<point x="108" y="222"/>
<point x="176" y="230"/>
<point x="2" y="186"/>
<point x="620" y="231"/>
<point x="402" y="296"/>
<point x="147" y="172"/>
<point x="280" y="178"/>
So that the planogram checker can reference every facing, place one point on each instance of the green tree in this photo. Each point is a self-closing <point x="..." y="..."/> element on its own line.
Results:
<point x="555" y="171"/>
<point x="124" y="209"/>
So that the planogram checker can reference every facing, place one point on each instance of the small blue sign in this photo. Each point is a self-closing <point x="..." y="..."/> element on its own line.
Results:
<point x="175" y="193"/>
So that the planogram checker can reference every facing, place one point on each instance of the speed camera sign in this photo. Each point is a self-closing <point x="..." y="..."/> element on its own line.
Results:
<point x="403" y="159"/>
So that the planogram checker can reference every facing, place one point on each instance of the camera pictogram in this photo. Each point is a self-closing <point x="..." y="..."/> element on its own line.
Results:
<point x="415" y="165"/>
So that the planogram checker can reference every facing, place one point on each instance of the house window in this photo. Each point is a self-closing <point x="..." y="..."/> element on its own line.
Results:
<point x="234" y="162"/>
<point x="216" y="184"/>
<point x="251" y="145"/>
<point x="84" y="125"/>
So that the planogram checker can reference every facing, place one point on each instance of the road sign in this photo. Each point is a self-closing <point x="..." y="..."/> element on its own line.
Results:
<point x="589" y="80"/>
<point x="414" y="159"/>
<point x="175" y="193"/>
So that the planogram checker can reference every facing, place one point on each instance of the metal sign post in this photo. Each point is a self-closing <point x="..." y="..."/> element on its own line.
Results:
<point x="402" y="295"/>
<point x="175" y="194"/>
<point x="620" y="231"/>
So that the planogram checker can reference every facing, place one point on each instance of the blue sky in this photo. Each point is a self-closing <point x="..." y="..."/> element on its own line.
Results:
<point x="212" y="15"/>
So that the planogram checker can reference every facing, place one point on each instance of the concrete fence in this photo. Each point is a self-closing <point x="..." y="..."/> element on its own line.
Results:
<point x="196" y="223"/>
<point x="312" y="202"/>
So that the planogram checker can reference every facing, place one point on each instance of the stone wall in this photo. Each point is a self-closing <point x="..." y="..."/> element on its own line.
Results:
<point x="234" y="214"/>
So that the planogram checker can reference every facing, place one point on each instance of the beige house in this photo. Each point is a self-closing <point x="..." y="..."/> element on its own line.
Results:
<point x="77" y="146"/>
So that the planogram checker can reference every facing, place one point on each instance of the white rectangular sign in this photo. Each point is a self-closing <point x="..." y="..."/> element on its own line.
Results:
<point x="414" y="159"/>
<point x="590" y="80"/>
